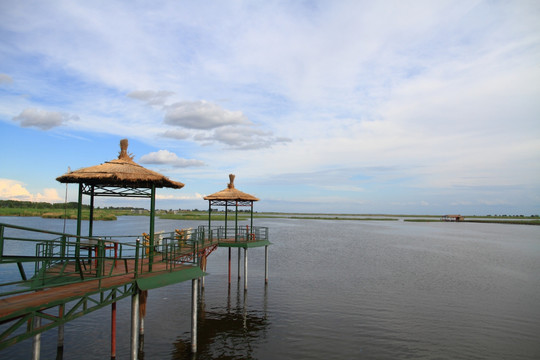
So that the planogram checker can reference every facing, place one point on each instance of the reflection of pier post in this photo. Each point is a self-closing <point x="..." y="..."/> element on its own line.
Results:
<point x="113" y="326"/>
<point x="265" y="302"/>
<point x="244" y="311"/>
<point x="60" y="341"/>
<point x="135" y="325"/>
<point x="194" y="288"/>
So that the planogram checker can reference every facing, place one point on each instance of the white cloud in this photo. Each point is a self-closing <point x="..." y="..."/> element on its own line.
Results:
<point x="5" y="79"/>
<point x="165" y="157"/>
<point x="15" y="190"/>
<point x="201" y="115"/>
<point x="43" y="119"/>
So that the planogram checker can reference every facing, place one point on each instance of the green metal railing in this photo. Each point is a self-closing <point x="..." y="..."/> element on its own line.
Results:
<point x="32" y="259"/>
<point x="241" y="234"/>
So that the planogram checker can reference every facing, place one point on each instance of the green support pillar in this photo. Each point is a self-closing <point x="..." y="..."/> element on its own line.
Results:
<point x="79" y="220"/>
<point x="79" y="210"/>
<point x="152" y="215"/>
<point x="91" y="218"/>
<point x="210" y="220"/>
<point x="226" y="212"/>
<point x="251" y="227"/>
<point x="236" y="223"/>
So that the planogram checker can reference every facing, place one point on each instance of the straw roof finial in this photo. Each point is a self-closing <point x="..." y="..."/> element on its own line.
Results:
<point x="230" y="185"/>
<point x="123" y="154"/>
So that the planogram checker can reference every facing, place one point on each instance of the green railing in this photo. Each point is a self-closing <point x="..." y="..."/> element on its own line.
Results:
<point x="242" y="233"/>
<point x="32" y="259"/>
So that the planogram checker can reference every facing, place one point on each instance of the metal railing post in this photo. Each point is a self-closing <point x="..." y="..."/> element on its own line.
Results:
<point x="137" y="257"/>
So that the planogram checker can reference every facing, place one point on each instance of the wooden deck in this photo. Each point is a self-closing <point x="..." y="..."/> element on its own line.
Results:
<point x="116" y="272"/>
<point x="18" y="305"/>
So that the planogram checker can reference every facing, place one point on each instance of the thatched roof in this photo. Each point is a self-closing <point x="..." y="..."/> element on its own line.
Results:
<point x="230" y="193"/>
<point x="119" y="172"/>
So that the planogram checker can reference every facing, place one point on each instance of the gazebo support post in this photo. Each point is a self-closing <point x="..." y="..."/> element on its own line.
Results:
<point x="152" y="214"/>
<point x="236" y="236"/>
<point x="91" y="216"/>
<point x="79" y="220"/>
<point x="210" y="220"/>
<point x="236" y="223"/>
<point x="251" y="226"/>
<point x="226" y="212"/>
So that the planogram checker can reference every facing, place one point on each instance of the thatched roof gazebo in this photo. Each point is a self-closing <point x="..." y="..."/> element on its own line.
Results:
<point x="230" y="197"/>
<point x="251" y="237"/>
<point x="121" y="177"/>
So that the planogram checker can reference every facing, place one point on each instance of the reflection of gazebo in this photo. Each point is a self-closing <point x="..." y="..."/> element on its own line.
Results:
<point x="243" y="237"/>
<point x="120" y="177"/>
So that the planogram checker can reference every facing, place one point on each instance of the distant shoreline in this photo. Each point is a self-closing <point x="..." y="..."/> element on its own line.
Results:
<point x="112" y="214"/>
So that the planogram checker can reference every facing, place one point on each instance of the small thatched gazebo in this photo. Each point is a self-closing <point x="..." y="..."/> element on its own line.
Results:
<point x="230" y="197"/>
<point x="234" y="197"/>
<point x="121" y="177"/>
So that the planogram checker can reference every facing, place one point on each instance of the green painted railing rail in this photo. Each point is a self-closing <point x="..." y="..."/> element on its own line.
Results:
<point x="33" y="259"/>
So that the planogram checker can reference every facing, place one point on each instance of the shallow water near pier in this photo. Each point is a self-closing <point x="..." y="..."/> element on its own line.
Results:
<point x="337" y="290"/>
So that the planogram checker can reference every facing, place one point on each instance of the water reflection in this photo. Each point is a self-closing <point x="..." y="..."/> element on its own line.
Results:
<point x="227" y="332"/>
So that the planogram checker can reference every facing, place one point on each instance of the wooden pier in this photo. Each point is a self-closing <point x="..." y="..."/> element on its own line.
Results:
<point x="71" y="275"/>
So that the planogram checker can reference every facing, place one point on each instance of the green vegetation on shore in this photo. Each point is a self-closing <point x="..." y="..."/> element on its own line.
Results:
<point x="69" y="210"/>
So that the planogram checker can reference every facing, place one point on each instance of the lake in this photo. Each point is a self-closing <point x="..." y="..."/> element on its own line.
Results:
<point x="337" y="290"/>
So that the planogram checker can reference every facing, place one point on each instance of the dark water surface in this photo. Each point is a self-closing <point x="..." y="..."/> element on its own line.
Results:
<point x="337" y="290"/>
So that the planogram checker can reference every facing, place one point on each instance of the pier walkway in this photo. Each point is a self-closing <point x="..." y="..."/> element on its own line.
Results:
<point x="68" y="276"/>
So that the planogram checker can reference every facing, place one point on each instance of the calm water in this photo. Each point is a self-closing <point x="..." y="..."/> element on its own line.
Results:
<point x="338" y="290"/>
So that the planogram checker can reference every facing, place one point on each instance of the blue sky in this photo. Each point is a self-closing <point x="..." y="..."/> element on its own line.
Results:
<point x="411" y="107"/>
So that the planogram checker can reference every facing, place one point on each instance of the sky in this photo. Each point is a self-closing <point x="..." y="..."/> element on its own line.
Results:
<point x="367" y="107"/>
